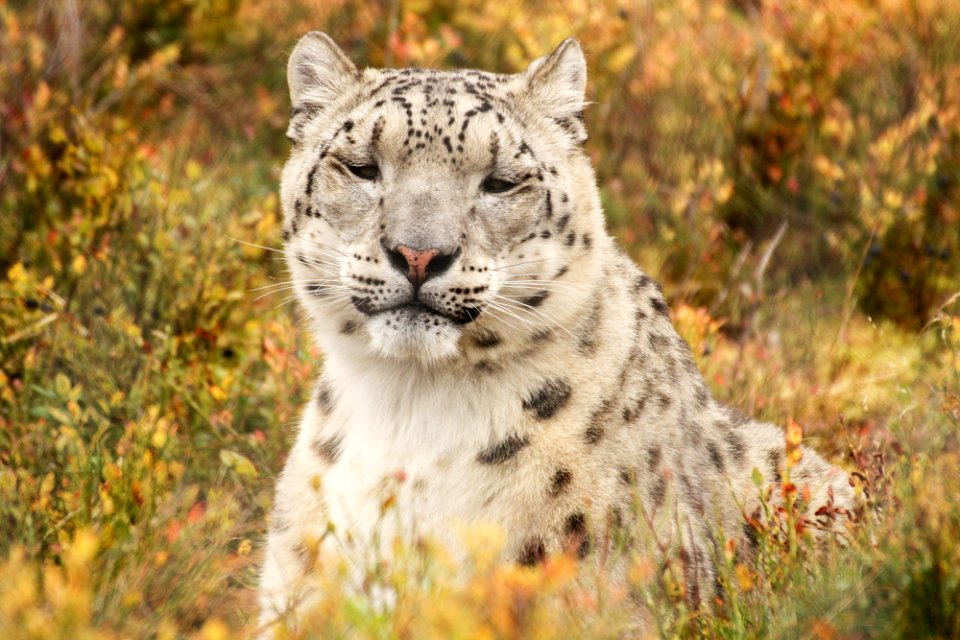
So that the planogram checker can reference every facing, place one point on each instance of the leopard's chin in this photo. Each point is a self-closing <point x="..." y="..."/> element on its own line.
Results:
<point x="414" y="332"/>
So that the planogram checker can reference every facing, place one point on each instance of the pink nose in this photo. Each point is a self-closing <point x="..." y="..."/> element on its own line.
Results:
<point x="417" y="262"/>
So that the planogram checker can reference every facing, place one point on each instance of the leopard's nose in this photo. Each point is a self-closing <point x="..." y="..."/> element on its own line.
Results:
<point x="419" y="265"/>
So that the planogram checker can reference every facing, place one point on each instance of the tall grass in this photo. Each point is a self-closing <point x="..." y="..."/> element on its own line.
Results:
<point x="790" y="170"/>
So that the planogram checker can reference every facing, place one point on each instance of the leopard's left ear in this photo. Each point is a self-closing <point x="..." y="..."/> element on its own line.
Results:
<point x="556" y="85"/>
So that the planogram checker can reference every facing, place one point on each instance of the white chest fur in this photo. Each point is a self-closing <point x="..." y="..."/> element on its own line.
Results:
<point x="409" y="438"/>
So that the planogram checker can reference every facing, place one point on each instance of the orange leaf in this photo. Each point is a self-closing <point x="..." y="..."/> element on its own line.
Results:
<point x="196" y="512"/>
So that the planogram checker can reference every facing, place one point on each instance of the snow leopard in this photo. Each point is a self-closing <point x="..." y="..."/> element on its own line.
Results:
<point x="489" y="354"/>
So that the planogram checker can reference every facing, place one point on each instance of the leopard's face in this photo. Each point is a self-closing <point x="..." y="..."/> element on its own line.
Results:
<point x="424" y="207"/>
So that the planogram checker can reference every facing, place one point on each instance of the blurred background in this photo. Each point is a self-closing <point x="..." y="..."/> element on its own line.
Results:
<point x="790" y="170"/>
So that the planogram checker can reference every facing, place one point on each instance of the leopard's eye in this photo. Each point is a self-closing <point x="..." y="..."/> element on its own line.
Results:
<point x="365" y="171"/>
<point x="496" y="185"/>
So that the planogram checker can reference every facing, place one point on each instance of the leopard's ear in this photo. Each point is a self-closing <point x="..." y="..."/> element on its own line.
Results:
<point x="556" y="85"/>
<point x="318" y="72"/>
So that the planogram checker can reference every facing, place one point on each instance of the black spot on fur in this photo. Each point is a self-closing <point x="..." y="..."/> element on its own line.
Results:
<point x="503" y="451"/>
<point x="535" y="300"/>
<point x="632" y="412"/>
<point x="330" y="448"/>
<point x="660" y="306"/>
<point x="658" y="343"/>
<point x="534" y="552"/>
<point x="653" y="458"/>
<point x="486" y="339"/>
<point x="484" y="366"/>
<point x="702" y="396"/>
<point x="735" y="445"/>
<point x="548" y="399"/>
<point x="316" y="289"/>
<point x="593" y="434"/>
<point x="751" y="535"/>
<point x="715" y="457"/>
<point x="576" y="528"/>
<point x="349" y="327"/>
<point x="598" y="419"/>
<point x="377" y="131"/>
<point x="541" y="335"/>
<point x="561" y="480"/>
<point x="664" y="400"/>
<point x="691" y="575"/>
<point x="324" y="398"/>
<point x="586" y="331"/>
<point x="692" y="493"/>
<point x="773" y="459"/>
<point x="310" y="177"/>
<point x="692" y="430"/>
<point x="642" y="282"/>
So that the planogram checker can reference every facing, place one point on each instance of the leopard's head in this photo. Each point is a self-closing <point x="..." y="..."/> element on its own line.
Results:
<point x="427" y="212"/>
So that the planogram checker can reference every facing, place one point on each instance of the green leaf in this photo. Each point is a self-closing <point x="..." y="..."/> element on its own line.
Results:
<point x="62" y="385"/>
<point x="59" y="415"/>
<point x="757" y="478"/>
<point x="239" y="463"/>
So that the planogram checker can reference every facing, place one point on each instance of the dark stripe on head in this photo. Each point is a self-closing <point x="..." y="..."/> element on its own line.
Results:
<point x="377" y="131"/>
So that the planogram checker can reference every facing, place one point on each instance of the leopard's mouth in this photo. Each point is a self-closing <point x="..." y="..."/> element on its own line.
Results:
<point x="415" y="309"/>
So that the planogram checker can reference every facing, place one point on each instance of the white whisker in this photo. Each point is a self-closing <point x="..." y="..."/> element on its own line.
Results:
<point x="526" y="308"/>
<point x="517" y="264"/>
<point x="251" y="244"/>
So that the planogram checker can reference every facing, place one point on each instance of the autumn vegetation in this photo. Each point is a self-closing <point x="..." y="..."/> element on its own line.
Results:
<point x="790" y="170"/>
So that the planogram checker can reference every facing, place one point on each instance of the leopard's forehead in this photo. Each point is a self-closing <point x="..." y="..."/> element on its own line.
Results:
<point x="426" y="109"/>
<point x="433" y="83"/>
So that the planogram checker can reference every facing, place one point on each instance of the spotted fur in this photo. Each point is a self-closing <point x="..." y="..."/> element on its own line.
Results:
<point x="490" y="355"/>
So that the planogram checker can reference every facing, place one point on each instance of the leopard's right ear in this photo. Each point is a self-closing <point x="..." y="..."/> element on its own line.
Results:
<point x="555" y="85"/>
<point x="318" y="72"/>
